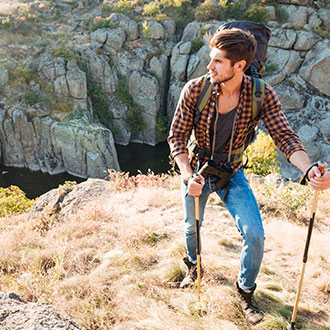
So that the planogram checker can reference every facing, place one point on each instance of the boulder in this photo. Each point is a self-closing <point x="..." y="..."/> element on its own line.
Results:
<point x="4" y="77"/>
<point x="316" y="67"/>
<point x="282" y="39"/>
<point x="16" y="313"/>
<point x="144" y="89"/>
<point x="297" y="15"/>
<point x="129" y="26"/>
<point x="290" y="97"/>
<point x="308" y="136"/>
<point x="101" y="73"/>
<point x="324" y="15"/>
<point x="115" y="39"/>
<point x="305" y="40"/>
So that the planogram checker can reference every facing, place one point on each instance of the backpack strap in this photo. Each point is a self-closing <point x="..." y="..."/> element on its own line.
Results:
<point x="203" y="98"/>
<point x="258" y="94"/>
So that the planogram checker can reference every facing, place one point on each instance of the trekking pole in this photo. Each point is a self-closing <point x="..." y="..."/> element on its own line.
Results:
<point x="198" y="248"/>
<point x="291" y="326"/>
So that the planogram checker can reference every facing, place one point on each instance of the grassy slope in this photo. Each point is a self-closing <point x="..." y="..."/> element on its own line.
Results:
<point x="117" y="263"/>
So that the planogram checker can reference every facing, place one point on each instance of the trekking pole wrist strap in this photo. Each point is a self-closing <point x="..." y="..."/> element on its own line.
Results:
<point x="305" y="178"/>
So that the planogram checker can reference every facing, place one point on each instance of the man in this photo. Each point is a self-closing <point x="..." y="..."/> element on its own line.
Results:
<point x="221" y="128"/>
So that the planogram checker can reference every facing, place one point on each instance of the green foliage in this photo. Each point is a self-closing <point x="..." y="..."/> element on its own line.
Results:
<point x="65" y="52"/>
<point x="21" y="75"/>
<point x="250" y="10"/>
<point x="208" y="11"/>
<point x="151" y="9"/>
<point x="102" y="23"/>
<point x="31" y="98"/>
<point x="107" y="8"/>
<point x="322" y="33"/>
<point x="146" y="30"/>
<point x="161" y="128"/>
<point x="257" y="13"/>
<point x="100" y="104"/>
<point x="281" y="14"/>
<point x="14" y="201"/>
<point x="196" y="45"/>
<point x="134" y="119"/>
<point x="262" y="156"/>
<point x="123" y="7"/>
<point x="134" y="113"/>
<point x="271" y="67"/>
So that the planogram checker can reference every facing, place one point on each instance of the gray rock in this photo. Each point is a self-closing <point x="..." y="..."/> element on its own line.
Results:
<point x="16" y="313"/>
<point x="325" y="129"/>
<point x="297" y="15"/>
<point x="144" y="89"/>
<point x="324" y="15"/>
<point x="127" y="62"/>
<point x="170" y="27"/>
<point x="314" y="21"/>
<point x="99" y="37"/>
<point x="115" y="39"/>
<point x="305" y="40"/>
<point x="128" y="25"/>
<point x="118" y="124"/>
<point x="316" y="67"/>
<point x="282" y="38"/>
<point x="77" y="84"/>
<point x="308" y="136"/>
<point x="4" y="77"/>
<point x="102" y="74"/>
<point x="290" y="97"/>
<point x="156" y="30"/>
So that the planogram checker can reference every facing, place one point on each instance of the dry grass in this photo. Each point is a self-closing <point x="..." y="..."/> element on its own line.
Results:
<point x="117" y="263"/>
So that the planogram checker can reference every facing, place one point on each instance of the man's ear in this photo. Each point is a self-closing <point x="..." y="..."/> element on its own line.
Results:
<point x="240" y="65"/>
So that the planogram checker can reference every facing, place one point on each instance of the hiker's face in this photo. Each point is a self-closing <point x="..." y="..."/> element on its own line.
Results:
<point x="220" y="68"/>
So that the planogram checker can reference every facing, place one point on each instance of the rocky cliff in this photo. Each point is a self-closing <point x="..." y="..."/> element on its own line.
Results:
<point x="94" y="78"/>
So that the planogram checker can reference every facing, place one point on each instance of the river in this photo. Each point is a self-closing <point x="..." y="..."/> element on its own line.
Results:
<point x="132" y="158"/>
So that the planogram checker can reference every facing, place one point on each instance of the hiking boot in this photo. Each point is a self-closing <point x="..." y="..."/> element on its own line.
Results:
<point x="248" y="305"/>
<point x="191" y="275"/>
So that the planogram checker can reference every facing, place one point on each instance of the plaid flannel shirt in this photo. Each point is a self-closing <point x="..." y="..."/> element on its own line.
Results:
<point x="271" y="114"/>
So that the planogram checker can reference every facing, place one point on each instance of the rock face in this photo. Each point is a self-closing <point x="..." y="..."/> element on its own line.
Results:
<point x="19" y="314"/>
<point x="101" y="74"/>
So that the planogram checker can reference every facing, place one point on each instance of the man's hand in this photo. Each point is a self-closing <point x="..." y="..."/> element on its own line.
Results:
<point x="319" y="181"/>
<point x="195" y="185"/>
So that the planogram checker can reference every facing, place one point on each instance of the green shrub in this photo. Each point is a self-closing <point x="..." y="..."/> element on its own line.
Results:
<point x="257" y="13"/>
<point x="161" y="128"/>
<point x="31" y="98"/>
<point x="208" y="11"/>
<point x="102" y="23"/>
<point x="151" y="9"/>
<point x="146" y="30"/>
<point x="123" y="7"/>
<point x="14" y="201"/>
<point x="21" y="74"/>
<point x="262" y="156"/>
<point x="250" y="10"/>
<point x="196" y="45"/>
<point x="100" y="104"/>
<point x="65" y="52"/>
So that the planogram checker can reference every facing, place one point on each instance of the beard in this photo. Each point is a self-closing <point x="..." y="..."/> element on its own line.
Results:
<point x="223" y="78"/>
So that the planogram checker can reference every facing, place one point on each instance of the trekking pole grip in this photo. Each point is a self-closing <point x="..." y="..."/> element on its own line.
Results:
<point x="322" y="166"/>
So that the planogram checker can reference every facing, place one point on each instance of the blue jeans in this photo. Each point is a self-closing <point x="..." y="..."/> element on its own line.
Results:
<point x="242" y="205"/>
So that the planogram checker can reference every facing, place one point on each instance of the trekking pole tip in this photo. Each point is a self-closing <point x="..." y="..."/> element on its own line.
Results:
<point x="291" y="326"/>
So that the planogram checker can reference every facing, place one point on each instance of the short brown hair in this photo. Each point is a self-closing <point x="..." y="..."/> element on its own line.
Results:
<point x="238" y="44"/>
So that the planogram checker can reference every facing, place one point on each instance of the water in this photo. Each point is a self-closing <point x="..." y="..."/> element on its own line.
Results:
<point x="132" y="158"/>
